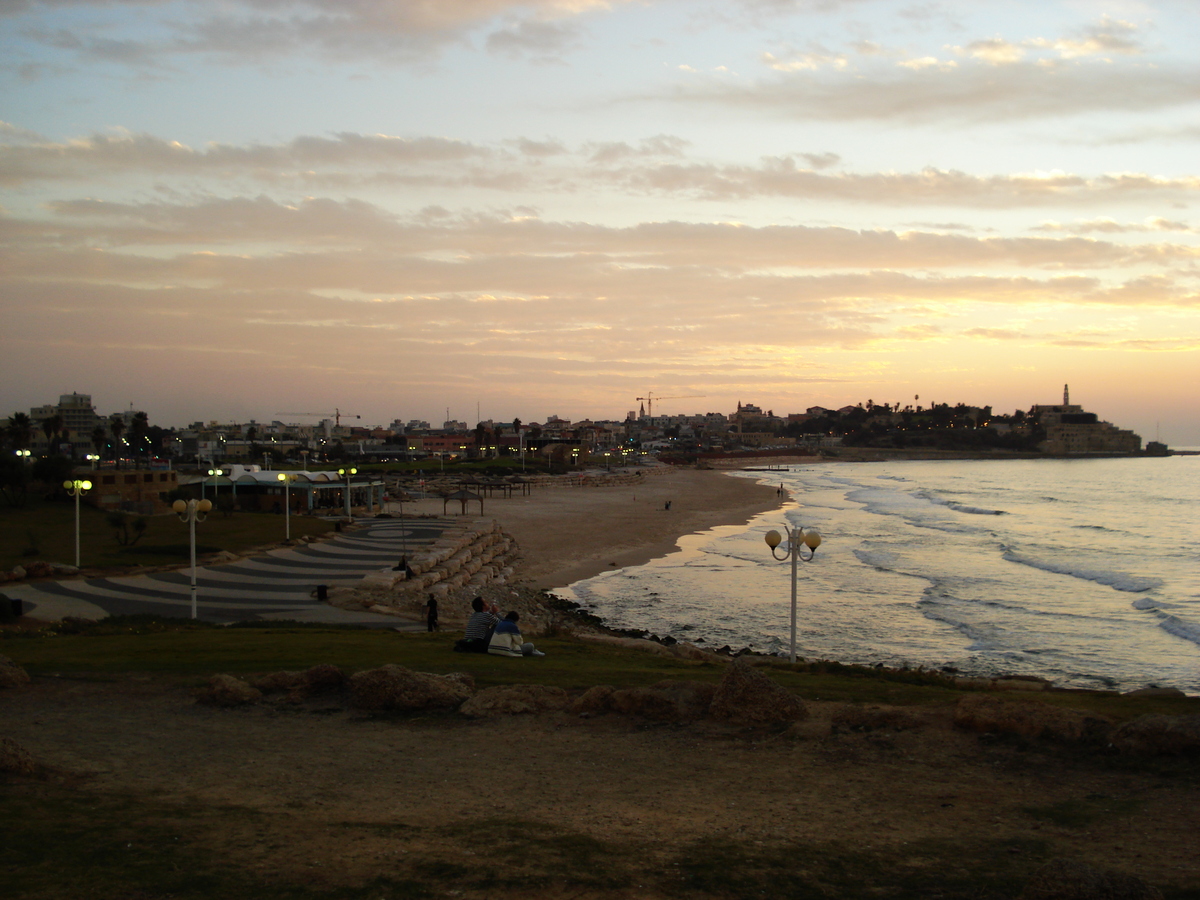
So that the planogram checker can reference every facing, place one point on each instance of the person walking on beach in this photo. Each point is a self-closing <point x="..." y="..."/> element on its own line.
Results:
<point x="507" y="640"/>
<point x="479" y="627"/>
<point x="431" y="613"/>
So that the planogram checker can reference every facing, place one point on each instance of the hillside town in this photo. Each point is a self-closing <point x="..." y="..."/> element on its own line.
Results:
<point x="74" y="429"/>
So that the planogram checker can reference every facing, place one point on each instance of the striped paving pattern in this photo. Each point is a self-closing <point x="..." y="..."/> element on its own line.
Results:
<point x="279" y="584"/>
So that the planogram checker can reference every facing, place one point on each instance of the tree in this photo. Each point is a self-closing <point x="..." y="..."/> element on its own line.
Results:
<point x="52" y="426"/>
<point x="99" y="439"/>
<point x="137" y="429"/>
<point x="116" y="426"/>
<point x="20" y="431"/>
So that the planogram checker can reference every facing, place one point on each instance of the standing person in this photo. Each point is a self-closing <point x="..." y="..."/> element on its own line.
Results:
<point x="431" y="613"/>
<point x="507" y="639"/>
<point x="479" y="628"/>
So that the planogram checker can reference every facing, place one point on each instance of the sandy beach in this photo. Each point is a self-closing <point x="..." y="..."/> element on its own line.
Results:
<point x="567" y="534"/>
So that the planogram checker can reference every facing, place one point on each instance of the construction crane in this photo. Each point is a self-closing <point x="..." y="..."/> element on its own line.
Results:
<point x="336" y="415"/>
<point x="650" y="398"/>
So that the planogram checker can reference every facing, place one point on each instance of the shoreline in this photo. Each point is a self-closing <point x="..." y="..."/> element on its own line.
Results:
<point x="571" y="534"/>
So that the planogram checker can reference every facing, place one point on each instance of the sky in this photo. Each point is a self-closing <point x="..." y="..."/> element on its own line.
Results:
<point x="249" y="209"/>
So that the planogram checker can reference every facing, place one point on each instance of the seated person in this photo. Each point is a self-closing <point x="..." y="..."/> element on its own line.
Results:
<point x="507" y="639"/>
<point x="479" y="628"/>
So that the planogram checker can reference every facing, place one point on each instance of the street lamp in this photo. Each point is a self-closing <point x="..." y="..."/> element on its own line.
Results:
<point x="215" y="474"/>
<point x="348" y="473"/>
<point x="76" y="489"/>
<point x="192" y="511"/>
<point x="23" y="454"/>
<point x="287" y="501"/>
<point x="796" y="538"/>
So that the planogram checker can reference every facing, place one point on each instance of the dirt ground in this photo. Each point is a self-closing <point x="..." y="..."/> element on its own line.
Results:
<point x="319" y="795"/>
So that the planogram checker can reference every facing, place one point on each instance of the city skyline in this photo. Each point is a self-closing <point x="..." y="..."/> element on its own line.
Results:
<point x="553" y="207"/>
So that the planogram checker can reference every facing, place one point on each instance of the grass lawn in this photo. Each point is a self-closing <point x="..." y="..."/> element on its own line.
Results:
<point x="189" y="650"/>
<point x="44" y="530"/>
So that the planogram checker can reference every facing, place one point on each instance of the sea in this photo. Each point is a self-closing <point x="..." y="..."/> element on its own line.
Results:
<point x="1085" y="572"/>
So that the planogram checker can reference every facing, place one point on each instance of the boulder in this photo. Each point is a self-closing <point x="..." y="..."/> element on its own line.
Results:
<point x="514" y="699"/>
<point x="393" y="687"/>
<point x="225" y="690"/>
<point x="321" y="678"/>
<point x="747" y="696"/>
<point x="667" y="701"/>
<point x="1030" y="719"/>
<point x="1062" y="879"/>
<point x="15" y="758"/>
<point x="12" y="675"/>
<point x="596" y="699"/>
<point x="1158" y="735"/>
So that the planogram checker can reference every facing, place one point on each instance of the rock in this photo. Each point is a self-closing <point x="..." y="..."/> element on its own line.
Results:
<point x="1158" y="735"/>
<point x="1030" y="719"/>
<point x="324" y="677"/>
<point x="275" y="682"/>
<point x="596" y="699"/>
<point x="17" y="573"/>
<point x="39" y="570"/>
<point x="1062" y="879"/>
<point x="12" y="675"/>
<point x="15" y="758"/>
<point x="745" y="695"/>
<point x="393" y="687"/>
<point x="668" y="701"/>
<point x="514" y="699"/>
<point x="225" y="690"/>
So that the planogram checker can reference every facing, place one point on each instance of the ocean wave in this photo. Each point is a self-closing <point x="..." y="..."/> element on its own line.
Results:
<point x="1118" y="581"/>
<point x="1189" y="631"/>
<point x="962" y="507"/>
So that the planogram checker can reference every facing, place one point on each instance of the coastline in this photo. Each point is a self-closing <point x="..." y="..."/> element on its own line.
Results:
<point x="572" y="533"/>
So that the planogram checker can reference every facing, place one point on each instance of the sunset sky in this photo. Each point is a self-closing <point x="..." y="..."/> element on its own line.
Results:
<point x="236" y="209"/>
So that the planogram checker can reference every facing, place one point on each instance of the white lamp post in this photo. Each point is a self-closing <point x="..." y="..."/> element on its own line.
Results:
<point x="192" y="511"/>
<point x="348" y="473"/>
<point x="796" y="538"/>
<point x="215" y="474"/>
<point x="76" y="489"/>
<point x="287" y="501"/>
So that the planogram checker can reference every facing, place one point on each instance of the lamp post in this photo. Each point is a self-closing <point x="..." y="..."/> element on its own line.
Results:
<point x="23" y="455"/>
<point x="76" y="488"/>
<point x="348" y="473"/>
<point x="192" y="511"/>
<point x="796" y="538"/>
<point x="287" y="501"/>
<point x="215" y="474"/>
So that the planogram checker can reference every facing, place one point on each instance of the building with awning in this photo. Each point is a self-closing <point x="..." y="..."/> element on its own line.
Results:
<point x="261" y="490"/>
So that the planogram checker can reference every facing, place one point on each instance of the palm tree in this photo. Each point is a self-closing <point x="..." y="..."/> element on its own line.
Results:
<point x="138" y="429"/>
<point x="20" y="430"/>
<point x="52" y="426"/>
<point x="99" y="439"/>
<point x="116" y="425"/>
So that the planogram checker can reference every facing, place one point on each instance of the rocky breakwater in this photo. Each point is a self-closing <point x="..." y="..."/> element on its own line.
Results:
<point x="469" y="555"/>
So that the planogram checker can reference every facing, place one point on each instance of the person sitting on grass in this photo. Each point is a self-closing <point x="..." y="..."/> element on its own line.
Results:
<point x="479" y="628"/>
<point x="506" y="641"/>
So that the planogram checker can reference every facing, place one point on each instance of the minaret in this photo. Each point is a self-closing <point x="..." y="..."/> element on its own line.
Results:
<point x="1066" y="396"/>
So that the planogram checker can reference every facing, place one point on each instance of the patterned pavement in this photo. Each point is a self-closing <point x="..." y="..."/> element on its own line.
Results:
<point x="280" y="584"/>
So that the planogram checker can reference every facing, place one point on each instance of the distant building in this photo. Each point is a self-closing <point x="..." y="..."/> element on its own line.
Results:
<point x="79" y="421"/>
<point x="1071" y="431"/>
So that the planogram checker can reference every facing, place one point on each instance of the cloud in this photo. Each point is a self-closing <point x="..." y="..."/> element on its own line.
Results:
<point x="929" y="93"/>
<point x="344" y="30"/>
<point x="656" y="165"/>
